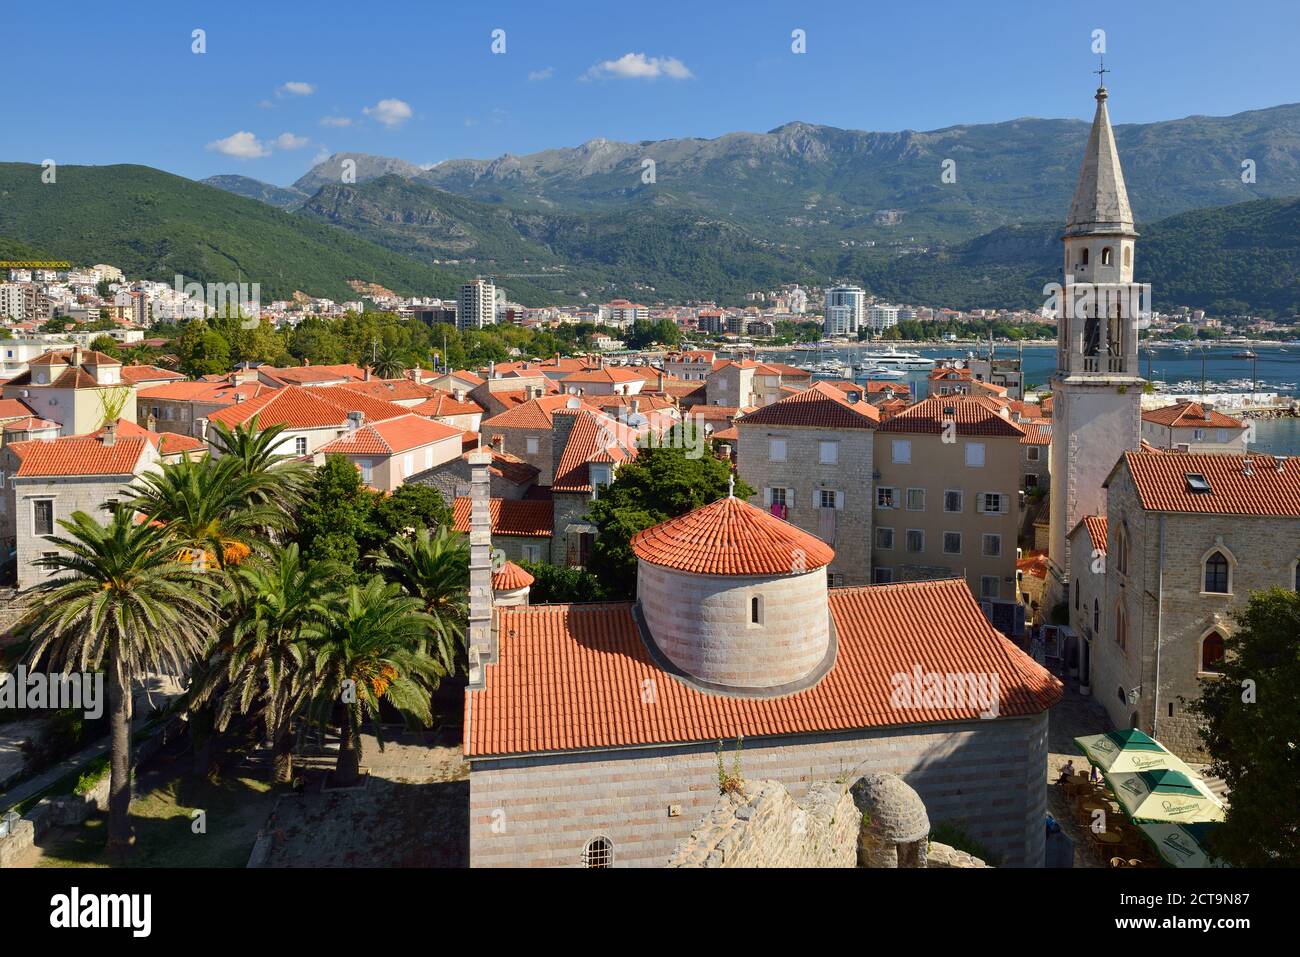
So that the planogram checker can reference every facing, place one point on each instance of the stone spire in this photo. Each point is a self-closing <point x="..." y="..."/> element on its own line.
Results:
<point x="1100" y="200"/>
<point x="482" y="641"/>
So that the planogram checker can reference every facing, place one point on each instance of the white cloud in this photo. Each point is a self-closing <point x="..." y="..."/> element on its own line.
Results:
<point x="296" y="88"/>
<point x="321" y="156"/>
<point x="544" y="74"/>
<point x="241" y="145"/>
<point x="389" y="112"/>
<point x="287" y="141"/>
<point x="335" y="121"/>
<point x="638" y="66"/>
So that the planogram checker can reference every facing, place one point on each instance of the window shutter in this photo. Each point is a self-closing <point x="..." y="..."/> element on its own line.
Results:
<point x="767" y="498"/>
<point x="839" y="499"/>
<point x="789" y="498"/>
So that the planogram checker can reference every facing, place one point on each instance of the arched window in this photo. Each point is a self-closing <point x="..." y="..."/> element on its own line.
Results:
<point x="1105" y="256"/>
<point x="1096" y="616"/>
<point x="1121" y="545"/>
<point x="1119" y="693"/>
<point x="599" y="852"/>
<point x="1212" y="652"/>
<point x="1085" y="255"/>
<point x="756" y="610"/>
<point x="1216" y="573"/>
<point x="1295" y="583"/>
<point x="1077" y="589"/>
<point x="1121" y="626"/>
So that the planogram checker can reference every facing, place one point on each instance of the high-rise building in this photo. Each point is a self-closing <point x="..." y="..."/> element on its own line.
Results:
<point x="881" y="317"/>
<point x="852" y="297"/>
<point x="477" y="305"/>
<point x="1096" y="413"/>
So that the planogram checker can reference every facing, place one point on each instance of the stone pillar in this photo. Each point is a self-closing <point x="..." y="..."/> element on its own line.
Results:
<point x="482" y="646"/>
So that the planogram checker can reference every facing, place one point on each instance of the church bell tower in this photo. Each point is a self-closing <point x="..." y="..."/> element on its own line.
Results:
<point x="1096" y="391"/>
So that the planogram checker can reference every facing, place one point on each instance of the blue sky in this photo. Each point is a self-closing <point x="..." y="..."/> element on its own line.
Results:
<point x="117" y="83"/>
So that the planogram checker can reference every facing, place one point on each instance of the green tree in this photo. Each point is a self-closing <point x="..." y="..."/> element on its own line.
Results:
<point x="372" y="650"/>
<point x="122" y="604"/>
<point x="106" y="344"/>
<point x="271" y="477"/>
<point x="433" y="567"/>
<point x="337" y="514"/>
<point x="659" y="484"/>
<point x="1251" y="718"/>
<point x="409" y="509"/>
<point x="388" y="364"/>
<point x="554" y="584"/>
<point x="202" y="350"/>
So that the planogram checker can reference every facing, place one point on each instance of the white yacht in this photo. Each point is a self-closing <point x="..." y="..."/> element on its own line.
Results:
<point x="894" y="359"/>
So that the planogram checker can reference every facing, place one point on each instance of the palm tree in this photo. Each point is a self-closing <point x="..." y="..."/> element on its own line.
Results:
<point x="208" y="507"/>
<point x="283" y="604"/>
<point x="274" y="478"/>
<point x="122" y="604"/>
<point x="372" y="651"/>
<point x="434" y="569"/>
<point x="387" y="365"/>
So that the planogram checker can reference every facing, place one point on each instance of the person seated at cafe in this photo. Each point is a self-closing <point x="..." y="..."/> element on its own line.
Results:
<point x="1067" y="772"/>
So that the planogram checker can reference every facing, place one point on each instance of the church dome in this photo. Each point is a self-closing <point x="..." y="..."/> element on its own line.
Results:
<point x="731" y="537"/>
<point x="736" y="598"/>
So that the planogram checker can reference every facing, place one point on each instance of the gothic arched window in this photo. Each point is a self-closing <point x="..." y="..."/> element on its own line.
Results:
<point x="1212" y="652"/>
<point x="1217" y="573"/>
<point x="1121" y="626"/>
<point x="1121" y="557"/>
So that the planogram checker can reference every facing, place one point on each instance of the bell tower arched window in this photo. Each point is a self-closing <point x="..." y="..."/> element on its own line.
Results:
<point x="1084" y="261"/>
<point x="1105" y="256"/>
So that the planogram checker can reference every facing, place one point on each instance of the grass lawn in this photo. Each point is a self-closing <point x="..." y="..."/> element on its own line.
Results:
<point x="236" y="808"/>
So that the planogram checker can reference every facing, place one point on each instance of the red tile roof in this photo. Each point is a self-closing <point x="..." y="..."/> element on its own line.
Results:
<point x="77" y="455"/>
<point x="1095" y="526"/>
<point x="1036" y="433"/>
<point x="594" y="438"/>
<point x="134" y="374"/>
<point x="731" y="537"/>
<point x="510" y="577"/>
<point x="299" y="407"/>
<point x="222" y="391"/>
<point x="445" y="404"/>
<point x="14" y="409"/>
<point x="390" y="437"/>
<point x="168" y="443"/>
<point x="1272" y="488"/>
<point x="304" y="375"/>
<point x="571" y="676"/>
<point x="974" y="415"/>
<point x="609" y="375"/>
<point x="533" y="414"/>
<point x="30" y="423"/>
<point x="391" y="390"/>
<point x="822" y="406"/>
<point x="1191" y="415"/>
<point x="524" y="517"/>
<point x="509" y="467"/>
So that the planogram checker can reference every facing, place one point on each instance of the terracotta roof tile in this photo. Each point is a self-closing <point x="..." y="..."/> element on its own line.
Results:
<point x="135" y="374"/>
<point x="571" y="676"/>
<point x="595" y="437"/>
<point x="974" y="415"/>
<point x="1272" y="488"/>
<point x="15" y="409"/>
<point x="510" y="577"/>
<point x="526" y="517"/>
<point x="445" y="404"/>
<point x="532" y="414"/>
<point x="1095" y="526"/>
<point x="822" y="406"/>
<point x="1191" y="415"/>
<point x="78" y="455"/>
<point x="390" y="437"/>
<point x="1036" y="433"/>
<point x="299" y="407"/>
<point x="731" y="537"/>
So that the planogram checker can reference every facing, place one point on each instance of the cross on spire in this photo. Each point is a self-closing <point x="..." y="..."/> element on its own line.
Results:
<point x="1101" y="72"/>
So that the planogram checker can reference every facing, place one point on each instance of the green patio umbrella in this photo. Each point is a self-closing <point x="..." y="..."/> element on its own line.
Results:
<point x="1165" y="795"/>
<point x="1130" y="750"/>
<point x="1181" y="845"/>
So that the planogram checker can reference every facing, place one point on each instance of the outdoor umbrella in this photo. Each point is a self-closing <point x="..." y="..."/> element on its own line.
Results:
<point x="1181" y="845"/>
<point x="1129" y="750"/>
<point x="1164" y="796"/>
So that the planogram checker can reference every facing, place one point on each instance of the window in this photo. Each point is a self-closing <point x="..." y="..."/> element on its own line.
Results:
<point x="364" y="467"/>
<point x="599" y="852"/>
<point x="756" y="610"/>
<point x="915" y="540"/>
<point x="993" y="503"/>
<point x="902" y="451"/>
<point x="776" y="450"/>
<point x="990" y="586"/>
<point x="1198" y="435"/>
<point x="408" y="464"/>
<point x="882" y="576"/>
<point x="828" y="453"/>
<point x="1076" y="594"/>
<point x="916" y="500"/>
<point x="992" y="546"/>
<point x="884" y="538"/>
<point x="1096" y="616"/>
<point x="1105" y="256"/>
<point x="776" y="496"/>
<point x="975" y="454"/>
<point x="952" y="543"/>
<point x="829" y="498"/>
<point x="1295" y="584"/>
<point x="1121" y="626"/>
<point x="886" y="497"/>
<point x="1121" y="547"/>
<point x="1031" y="453"/>
<point x="532" y="553"/>
<point x="1085" y="255"/>
<point x="1031" y="480"/>
<point x="300" y="445"/>
<point x="531" y="443"/>
<point x="1212" y="653"/>
<point x="952" y="501"/>
<point x="43" y="516"/>
<point x="1128" y="255"/>
<point x="1216" y="574"/>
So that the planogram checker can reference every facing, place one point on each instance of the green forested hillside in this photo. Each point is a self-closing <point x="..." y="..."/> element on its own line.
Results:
<point x="154" y="225"/>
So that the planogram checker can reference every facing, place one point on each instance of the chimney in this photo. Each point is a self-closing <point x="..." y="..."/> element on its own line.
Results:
<point x="498" y="443"/>
<point x="108" y="434"/>
<point x="482" y="640"/>
<point x="203" y="430"/>
<point x="1247" y="466"/>
<point x="356" y="419"/>
<point x="458" y="395"/>
<point x="366" y="376"/>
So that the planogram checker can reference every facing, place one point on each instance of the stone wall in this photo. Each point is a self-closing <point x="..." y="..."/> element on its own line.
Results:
<point x="988" y="777"/>
<point x="762" y="826"/>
